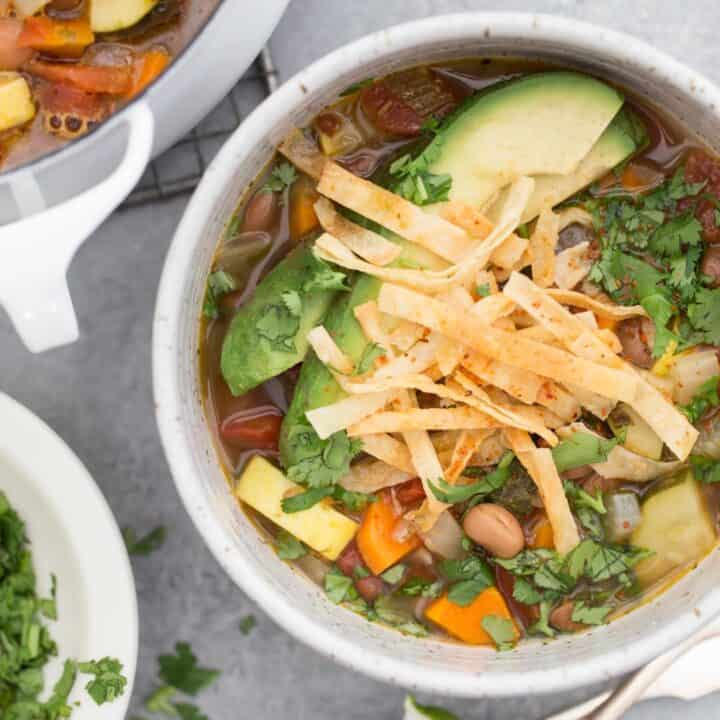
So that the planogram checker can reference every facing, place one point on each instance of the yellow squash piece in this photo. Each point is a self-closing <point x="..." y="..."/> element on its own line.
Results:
<point x="113" y="15"/>
<point x="16" y="103"/>
<point x="676" y="526"/>
<point x="321" y="527"/>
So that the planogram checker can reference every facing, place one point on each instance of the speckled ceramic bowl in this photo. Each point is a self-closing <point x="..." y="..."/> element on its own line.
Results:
<point x="295" y="603"/>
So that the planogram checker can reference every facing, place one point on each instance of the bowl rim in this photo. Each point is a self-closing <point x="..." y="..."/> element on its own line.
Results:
<point x="171" y="305"/>
<point x="37" y="451"/>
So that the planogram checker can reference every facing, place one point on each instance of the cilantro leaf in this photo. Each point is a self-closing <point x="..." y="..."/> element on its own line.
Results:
<point x="525" y="593"/>
<point x="293" y="302"/>
<point x="705" y="469"/>
<point x="367" y="360"/>
<point x="423" y="188"/>
<point x="182" y="671"/>
<point x="587" y="615"/>
<point x="109" y="682"/>
<point x="483" y="290"/>
<point x="431" y="712"/>
<point x="353" y="501"/>
<point x="219" y="283"/>
<point x="581" y="449"/>
<point x="339" y="587"/>
<point x="463" y="593"/>
<point x="145" y="545"/>
<point x="282" y="176"/>
<point x="159" y="700"/>
<point x="501" y="630"/>
<point x="288" y="547"/>
<point x="582" y="499"/>
<point x="355" y="87"/>
<point x="305" y="500"/>
<point x="419" y="587"/>
<point x="706" y="397"/>
<point x="469" y="577"/>
<point x="452" y="494"/>
<point x="279" y="327"/>
<point x="542" y="626"/>
<point x="395" y="574"/>
<point x="322" y="276"/>
<point x="187" y="711"/>
<point x="247" y="624"/>
<point x="704" y="314"/>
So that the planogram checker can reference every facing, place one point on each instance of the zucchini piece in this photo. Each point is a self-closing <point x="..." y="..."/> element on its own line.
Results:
<point x="110" y="15"/>
<point x="16" y="103"/>
<point x="676" y="525"/>
<point x="640" y="438"/>
<point x="266" y="338"/>
<point x="321" y="527"/>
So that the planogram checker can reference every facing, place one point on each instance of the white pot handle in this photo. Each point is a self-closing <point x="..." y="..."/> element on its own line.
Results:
<point x="37" y="250"/>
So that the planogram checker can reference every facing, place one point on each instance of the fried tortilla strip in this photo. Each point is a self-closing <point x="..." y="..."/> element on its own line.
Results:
<point x="541" y="467"/>
<point x="543" y="242"/>
<point x="572" y="265"/>
<point x="369" y="476"/>
<point x="363" y="242"/>
<point x="348" y="411"/>
<point x="389" y="450"/>
<point x="394" y="421"/>
<point x="328" y="352"/>
<point x="507" y="347"/>
<point x="578" y="299"/>
<point x="467" y="443"/>
<point x="394" y="212"/>
<point x="465" y="216"/>
<point x="520" y="384"/>
<point x="509" y="255"/>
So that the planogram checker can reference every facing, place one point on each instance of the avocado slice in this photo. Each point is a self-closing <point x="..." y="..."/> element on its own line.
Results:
<point x="676" y="525"/>
<point x="110" y="15"/>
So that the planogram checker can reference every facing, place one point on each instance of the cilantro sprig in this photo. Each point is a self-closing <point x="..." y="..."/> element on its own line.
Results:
<point x="706" y="397"/>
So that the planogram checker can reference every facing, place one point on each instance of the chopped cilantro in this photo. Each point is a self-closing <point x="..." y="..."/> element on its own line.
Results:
<point x="338" y="587"/>
<point x="159" y="700"/>
<point x="469" y="577"/>
<point x="413" y="709"/>
<point x="181" y="671"/>
<point x="367" y="360"/>
<point x="353" y="501"/>
<point x="581" y="449"/>
<point x="416" y="183"/>
<point x="582" y="499"/>
<point x="419" y="587"/>
<point x="188" y="711"/>
<point x="706" y="397"/>
<point x="525" y="593"/>
<point x="542" y="626"/>
<point x="587" y="615"/>
<point x="704" y="315"/>
<point x="288" y="547"/>
<point x="452" y="494"/>
<point x="305" y="500"/>
<point x="278" y="326"/>
<point x="247" y="624"/>
<point x="322" y="276"/>
<point x="394" y="575"/>
<point x="283" y="175"/>
<point x="501" y="630"/>
<point x="145" y="545"/>
<point x="355" y="87"/>
<point x="109" y="682"/>
<point x="483" y="290"/>
<point x="705" y="469"/>
<point x="219" y="283"/>
<point x="293" y="302"/>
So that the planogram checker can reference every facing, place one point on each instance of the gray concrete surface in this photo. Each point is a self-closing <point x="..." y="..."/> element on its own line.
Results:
<point x="97" y="394"/>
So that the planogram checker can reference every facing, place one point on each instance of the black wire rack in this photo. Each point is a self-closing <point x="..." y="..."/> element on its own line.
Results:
<point x="178" y="170"/>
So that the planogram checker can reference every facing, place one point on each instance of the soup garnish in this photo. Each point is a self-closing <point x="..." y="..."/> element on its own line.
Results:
<point x="66" y="65"/>
<point x="461" y="350"/>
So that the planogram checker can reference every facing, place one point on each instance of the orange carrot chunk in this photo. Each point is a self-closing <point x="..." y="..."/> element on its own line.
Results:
<point x="147" y="68"/>
<point x="303" y="219"/>
<point x="376" y="539"/>
<point x="465" y="623"/>
<point x="65" y="38"/>
<point x="541" y="535"/>
<point x="113" y="80"/>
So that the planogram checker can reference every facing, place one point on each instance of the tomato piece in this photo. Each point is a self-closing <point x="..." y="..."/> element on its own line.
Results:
<point x="388" y="113"/>
<point x="700" y="167"/>
<point x="410" y="492"/>
<point x="66" y="38"/>
<point x="259" y="431"/>
<point x="112" y="80"/>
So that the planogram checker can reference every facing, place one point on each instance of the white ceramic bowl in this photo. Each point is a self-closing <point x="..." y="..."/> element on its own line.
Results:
<point x="73" y="534"/>
<point x="290" y="599"/>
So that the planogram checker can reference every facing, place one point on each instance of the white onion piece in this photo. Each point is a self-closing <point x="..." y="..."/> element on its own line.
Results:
<point x="25" y="8"/>
<point x="689" y="372"/>
<point x="445" y="537"/>
<point x="623" y="515"/>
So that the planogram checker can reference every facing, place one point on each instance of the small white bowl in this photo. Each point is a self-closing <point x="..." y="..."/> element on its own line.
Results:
<point x="295" y="603"/>
<point x="73" y="534"/>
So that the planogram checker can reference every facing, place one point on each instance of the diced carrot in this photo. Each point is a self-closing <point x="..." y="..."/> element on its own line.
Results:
<point x="303" y="219"/>
<point x="465" y="623"/>
<point x="90" y="78"/>
<point x="541" y="534"/>
<point x="147" y="68"/>
<point x="637" y="177"/>
<point x="606" y="323"/>
<point x="66" y="38"/>
<point x="376" y="537"/>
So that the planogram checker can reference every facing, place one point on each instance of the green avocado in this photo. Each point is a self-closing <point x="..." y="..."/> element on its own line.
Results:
<point x="268" y="334"/>
<point x="541" y="124"/>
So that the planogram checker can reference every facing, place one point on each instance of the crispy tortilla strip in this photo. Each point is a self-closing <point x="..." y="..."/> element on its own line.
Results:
<point x="389" y="450"/>
<point x="622" y="464"/>
<point x="303" y="153"/>
<point x="467" y="443"/>
<point x="578" y="299"/>
<point x="369" y="476"/>
<point x="486" y="277"/>
<point x="610" y="339"/>
<point x="394" y="421"/>
<point x="419" y="358"/>
<point x="406" y="334"/>
<point x="449" y="352"/>
<point x="663" y="417"/>
<point x="394" y="213"/>
<point x="588" y="319"/>
<point x="348" y="411"/>
<point x="465" y="216"/>
<point x="363" y="242"/>
<point x="368" y="317"/>
<point x="560" y="402"/>
<point x="542" y="248"/>
<point x="490" y="450"/>
<point x="427" y="467"/>
<point x="599" y="406"/>
<point x="328" y="352"/>
<point x="493" y="307"/>
<point x="574" y="216"/>
<point x="541" y="468"/>
<point x="572" y="265"/>
<point x="509" y="255"/>
<point x="520" y="384"/>
<point x="508" y="347"/>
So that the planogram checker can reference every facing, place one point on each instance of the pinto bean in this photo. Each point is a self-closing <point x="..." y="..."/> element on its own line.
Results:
<point x="561" y="618"/>
<point x="410" y="492"/>
<point x="711" y="264"/>
<point x="260" y="212"/>
<point x="494" y="528"/>
<point x="637" y="336"/>
<point x="370" y="587"/>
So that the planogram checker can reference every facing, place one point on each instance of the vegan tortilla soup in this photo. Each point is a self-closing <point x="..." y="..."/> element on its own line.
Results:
<point x="66" y="65"/>
<point x="460" y="351"/>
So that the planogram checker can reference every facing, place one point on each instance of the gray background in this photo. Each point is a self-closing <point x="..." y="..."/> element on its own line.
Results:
<point x="97" y="394"/>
